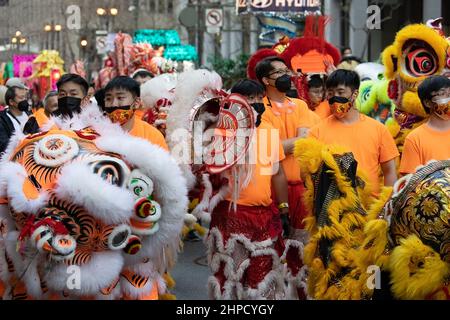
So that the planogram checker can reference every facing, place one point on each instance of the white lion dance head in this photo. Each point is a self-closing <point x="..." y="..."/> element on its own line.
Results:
<point x="93" y="202"/>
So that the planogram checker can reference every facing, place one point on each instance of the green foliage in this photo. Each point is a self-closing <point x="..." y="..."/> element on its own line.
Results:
<point x="231" y="70"/>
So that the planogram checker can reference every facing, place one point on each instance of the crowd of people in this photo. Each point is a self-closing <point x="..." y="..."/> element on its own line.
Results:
<point x="258" y="212"/>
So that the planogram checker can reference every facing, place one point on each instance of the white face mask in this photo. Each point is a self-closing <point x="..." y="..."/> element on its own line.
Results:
<point x="442" y="108"/>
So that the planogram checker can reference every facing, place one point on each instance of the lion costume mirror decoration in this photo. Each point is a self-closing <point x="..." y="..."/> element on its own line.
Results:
<point x="93" y="202"/>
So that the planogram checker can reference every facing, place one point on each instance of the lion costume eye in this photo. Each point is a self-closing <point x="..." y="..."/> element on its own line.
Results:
<point x="421" y="60"/>
<point x="141" y="185"/>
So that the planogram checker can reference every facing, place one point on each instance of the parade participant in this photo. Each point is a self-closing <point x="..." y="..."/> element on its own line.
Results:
<point x="122" y="96"/>
<point x="16" y="118"/>
<point x="245" y="239"/>
<point x="430" y="141"/>
<point x="349" y="61"/>
<point x="142" y="76"/>
<point x="369" y="141"/>
<point x="316" y="94"/>
<point x="293" y="119"/>
<point x="50" y="106"/>
<point x="72" y="95"/>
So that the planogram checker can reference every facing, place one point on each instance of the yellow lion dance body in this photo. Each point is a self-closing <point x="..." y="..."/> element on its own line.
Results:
<point x="353" y="234"/>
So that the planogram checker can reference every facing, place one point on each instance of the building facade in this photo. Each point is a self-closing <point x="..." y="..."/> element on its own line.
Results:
<point x="349" y="17"/>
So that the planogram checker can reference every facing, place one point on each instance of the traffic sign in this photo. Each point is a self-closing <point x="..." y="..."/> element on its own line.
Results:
<point x="214" y="18"/>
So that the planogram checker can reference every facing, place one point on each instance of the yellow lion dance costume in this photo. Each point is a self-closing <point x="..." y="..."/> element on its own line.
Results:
<point x="342" y="228"/>
<point x="419" y="51"/>
<point x="406" y="235"/>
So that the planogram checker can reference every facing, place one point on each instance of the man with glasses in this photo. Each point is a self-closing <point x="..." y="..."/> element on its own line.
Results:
<point x="293" y="119"/>
<point x="17" y="116"/>
<point x="430" y="141"/>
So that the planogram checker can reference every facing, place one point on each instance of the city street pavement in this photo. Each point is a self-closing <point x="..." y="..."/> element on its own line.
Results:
<point x="191" y="272"/>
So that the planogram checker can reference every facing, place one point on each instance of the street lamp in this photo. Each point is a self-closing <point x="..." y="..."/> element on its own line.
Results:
<point x="52" y="31"/>
<point x="101" y="11"/>
<point x="18" y="40"/>
<point x="109" y="14"/>
<point x="84" y="43"/>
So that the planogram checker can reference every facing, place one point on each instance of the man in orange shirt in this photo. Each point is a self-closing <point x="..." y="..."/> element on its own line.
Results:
<point x="122" y="96"/>
<point x="50" y="105"/>
<point x="293" y="119"/>
<point x="255" y="223"/>
<point x="368" y="140"/>
<point x="430" y="141"/>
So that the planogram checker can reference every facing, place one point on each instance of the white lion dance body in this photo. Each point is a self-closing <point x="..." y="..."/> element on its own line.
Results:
<point x="87" y="214"/>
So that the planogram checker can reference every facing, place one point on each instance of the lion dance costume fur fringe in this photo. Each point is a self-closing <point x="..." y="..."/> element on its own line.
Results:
<point x="90" y="201"/>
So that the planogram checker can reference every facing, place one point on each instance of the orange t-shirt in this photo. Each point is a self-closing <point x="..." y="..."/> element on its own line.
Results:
<point x="41" y="118"/>
<point x="140" y="113"/>
<point x="323" y="110"/>
<point x="267" y="153"/>
<point x="288" y="117"/>
<point x="145" y="131"/>
<point x="368" y="140"/>
<point x="422" y="145"/>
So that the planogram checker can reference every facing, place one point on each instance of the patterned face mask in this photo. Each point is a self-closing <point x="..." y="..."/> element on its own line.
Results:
<point x="340" y="106"/>
<point x="120" y="115"/>
<point x="442" y="108"/>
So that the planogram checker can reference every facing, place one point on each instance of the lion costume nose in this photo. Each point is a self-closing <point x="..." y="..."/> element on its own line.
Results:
<point x="118" y="239"/>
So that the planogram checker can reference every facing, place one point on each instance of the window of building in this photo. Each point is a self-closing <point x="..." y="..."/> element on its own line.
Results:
<point x="446" y="16"/>
<point x="161" y="6"/>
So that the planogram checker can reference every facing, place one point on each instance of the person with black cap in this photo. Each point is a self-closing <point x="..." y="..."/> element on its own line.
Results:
<point x="17" y="117"/>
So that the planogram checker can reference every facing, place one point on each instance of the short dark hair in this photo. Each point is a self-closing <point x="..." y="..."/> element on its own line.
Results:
<point x="75" y="78"/>
<point x="143" y="74"/>
<point x="345" y="49"/>
<point x="430" y="85"/>
<point x="126" y="83"/>
<point x="100" y="97"/>
<point x="10" y="94"/>
<point x="316" y="81"/>
<point x="247" y="87"/>
<point x="347" y="78"/>
<point x="264" y="67"/>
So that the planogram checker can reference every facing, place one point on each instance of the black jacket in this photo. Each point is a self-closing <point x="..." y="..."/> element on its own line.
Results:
<point x="7" y="129"/>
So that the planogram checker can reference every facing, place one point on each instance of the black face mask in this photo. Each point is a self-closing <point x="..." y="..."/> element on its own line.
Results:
<point x="337" y="99"/>
<point x="283" y="83"/>
<point x="292" y="93"/>
<point x="260" y="108"/>
<point x="112" y="109"/>
<point x="68" y="106"/>
<point x="24" y="106"/>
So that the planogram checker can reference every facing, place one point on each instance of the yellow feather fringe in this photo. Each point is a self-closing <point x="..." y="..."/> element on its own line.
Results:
<point x="416" y="270"/>
<point x="356" y="243"/>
